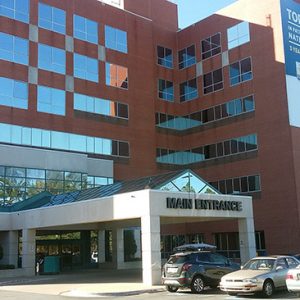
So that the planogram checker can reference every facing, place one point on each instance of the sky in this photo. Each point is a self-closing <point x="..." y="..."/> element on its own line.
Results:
<point x="191" y="11"/>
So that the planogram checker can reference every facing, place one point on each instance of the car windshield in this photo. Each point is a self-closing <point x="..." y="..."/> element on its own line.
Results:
<point x="178" y="259"/>
<point x="259" y="264"/>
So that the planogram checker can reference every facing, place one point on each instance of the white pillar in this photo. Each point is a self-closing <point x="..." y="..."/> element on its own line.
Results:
<point x="120" y="248"/>
<point x="151" y="250"/>
<point x="28" y="251"/>
<point x="13" y="237"/>
<point x="247" y="239"/>
<point x="101" y="246"/>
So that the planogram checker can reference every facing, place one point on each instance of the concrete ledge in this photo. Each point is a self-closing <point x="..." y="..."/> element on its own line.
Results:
<point x="12" y="273"/>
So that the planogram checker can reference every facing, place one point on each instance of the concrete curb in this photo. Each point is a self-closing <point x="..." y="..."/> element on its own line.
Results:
<point x="84" y="294"/>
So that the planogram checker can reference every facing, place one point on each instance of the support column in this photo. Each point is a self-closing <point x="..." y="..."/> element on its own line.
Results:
<point x="120" y="248"/>
<point x="13" y="237"/>
<point x="247" y="239"/>
<point x="28" y="251"/>
<point x="151" y="254"/>
<point x="101" y="246"/>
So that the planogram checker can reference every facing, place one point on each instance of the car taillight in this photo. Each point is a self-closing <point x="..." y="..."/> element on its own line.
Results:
<point x="289" y="276"/>
<point x="186" y="267"/>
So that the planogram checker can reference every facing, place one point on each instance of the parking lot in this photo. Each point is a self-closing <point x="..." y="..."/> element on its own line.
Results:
<point x="105" y="285"/>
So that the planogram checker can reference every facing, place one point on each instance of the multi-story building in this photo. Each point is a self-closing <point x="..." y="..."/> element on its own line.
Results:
<point x="93" y="92"/>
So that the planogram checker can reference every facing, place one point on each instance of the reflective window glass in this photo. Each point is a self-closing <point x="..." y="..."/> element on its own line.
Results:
<point x="238" y="35"/>
<point x="13" y="48"/>
<point x="211" y="46"/>
<point x="86" y="68"/>
<point x="213" y="81"/>
<point x="116" y="76"/>
<point x="165" y="89"/>
<point x="50" y="100"/>
<point x="85" y="29"/>
<point x="61" y="140"/>
<point x="187" y="57"/>
<point x="52" y="59"/>
<point x="165" y="57"/>
<point x="15" y="9"/>
<point x="240" y="71"/>
<point x="188" y="90"/>
<point x="13" y="93"/>
<point x="115" y="39"/>
<point x="52" y="18"/>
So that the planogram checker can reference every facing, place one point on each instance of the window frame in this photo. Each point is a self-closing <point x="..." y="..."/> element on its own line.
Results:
<point x="161" y="93"/>
<point x="85" y="70"/>
<point x="185" y="63"/>
<point x="83" y="32"/>
<point x="51" y="21"/>
<point x="181" y="95"/>
<point x="123" y="48"/>
<point x="213" y="84"/>
<point x="165" y="63"/>
<point x="240" y="75"/>
<point x="211" y="49"/>
<point x="117" y="77"/>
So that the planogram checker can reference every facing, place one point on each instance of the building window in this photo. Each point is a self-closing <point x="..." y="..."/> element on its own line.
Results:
<point x="238" y="35"/>
<point x="15" y="9"/>
<point x="51" y="101"/>
<point x="211" y="46"/>
<point x="219" y="150"/>
<point x="188" y="90"/>
<point x="213" y="81"/>
<point x="13" y="48"/>
<point x="52" y="18"/>
<point x="52" y="59"/>
<point x="13" y="93"/>
<point x="13" y="134"/>
<point x="240" y="71"/>
<point x="238" y="185"/>
<point x="229" y="109"/>
<point x="164" y="57"/>
<point x="86" y="68"/>
<point x="116" y="76"/>
<point x="100" y="106"/>
<point x="228" y="244"/>
<point x="260" y="243"/>
<point x="18" y="184"/>
<point x="85" y="29"/>
<point x="115" y="39"/>
<point x="187" y="57"/>
<point x="165" y="90"/>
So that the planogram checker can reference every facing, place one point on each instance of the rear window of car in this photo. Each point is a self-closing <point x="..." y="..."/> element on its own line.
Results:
<point x="178" y="259"/>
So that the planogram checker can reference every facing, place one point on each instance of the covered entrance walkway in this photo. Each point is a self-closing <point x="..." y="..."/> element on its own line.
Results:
<point x="142" y="206"/>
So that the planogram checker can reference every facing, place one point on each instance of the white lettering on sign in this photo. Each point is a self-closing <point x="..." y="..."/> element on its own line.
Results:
<point x="293" y="16"/>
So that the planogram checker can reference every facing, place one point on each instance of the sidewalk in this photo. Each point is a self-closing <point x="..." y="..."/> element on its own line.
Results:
<point x="86" y="283"/>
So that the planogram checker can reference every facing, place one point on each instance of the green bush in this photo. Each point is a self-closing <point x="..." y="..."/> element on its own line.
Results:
<point x="6" y="267"/>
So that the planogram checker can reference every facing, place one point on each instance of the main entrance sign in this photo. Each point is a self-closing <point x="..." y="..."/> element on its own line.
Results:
<point x="203" y="204"/>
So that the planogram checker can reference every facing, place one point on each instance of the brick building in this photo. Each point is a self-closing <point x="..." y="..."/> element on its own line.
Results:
<point x="94" y="92"/>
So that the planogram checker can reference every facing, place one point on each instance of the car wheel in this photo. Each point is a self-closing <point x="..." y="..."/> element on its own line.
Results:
<point x="172" y="289"/>
<point x="232" y="294"/>
<point x="268" y="288"/>
<point x="198" y="285"/>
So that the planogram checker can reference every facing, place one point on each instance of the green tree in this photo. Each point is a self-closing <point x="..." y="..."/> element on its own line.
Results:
<point x="130" y="246"/>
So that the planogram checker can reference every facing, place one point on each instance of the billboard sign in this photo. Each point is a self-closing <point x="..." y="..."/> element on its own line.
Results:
<point x="290" y="15"/>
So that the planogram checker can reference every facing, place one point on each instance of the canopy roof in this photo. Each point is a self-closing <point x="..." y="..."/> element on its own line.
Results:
<point x="176" y="181"/>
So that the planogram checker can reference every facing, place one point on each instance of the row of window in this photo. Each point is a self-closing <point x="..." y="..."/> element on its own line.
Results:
<point x="54" y="19"/>
<point x="14" y="93"/>
<point x="238" y="185"/>
<point x="236" y="35"/>
<point x="229" y="109"/>
<point x="17" y="184"/>
<point x="13" y="134"/>
<point x="239" y="71"/>
<point x="221" y="149"/>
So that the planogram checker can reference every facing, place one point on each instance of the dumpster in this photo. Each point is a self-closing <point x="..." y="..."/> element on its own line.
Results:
<point x="51" y="265"/>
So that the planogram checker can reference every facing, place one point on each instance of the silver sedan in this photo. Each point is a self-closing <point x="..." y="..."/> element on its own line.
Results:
<point x="260" y="274"/>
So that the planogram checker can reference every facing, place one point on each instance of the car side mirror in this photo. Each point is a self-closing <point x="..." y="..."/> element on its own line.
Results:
<point x="279" y="268"/>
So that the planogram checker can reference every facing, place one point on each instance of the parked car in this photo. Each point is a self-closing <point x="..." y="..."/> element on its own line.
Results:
<point x="195" y="270"/>
<point x="293" y="280"/>
<point x="261" y="274"/>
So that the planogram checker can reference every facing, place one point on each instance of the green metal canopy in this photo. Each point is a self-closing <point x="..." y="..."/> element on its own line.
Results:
<point x="176" y="181"/>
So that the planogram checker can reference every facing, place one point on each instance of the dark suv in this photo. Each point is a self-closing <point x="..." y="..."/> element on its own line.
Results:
<point x="196" y="270"/>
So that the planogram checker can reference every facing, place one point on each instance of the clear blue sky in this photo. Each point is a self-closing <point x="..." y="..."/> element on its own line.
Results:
<point x="191" y="11"/>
